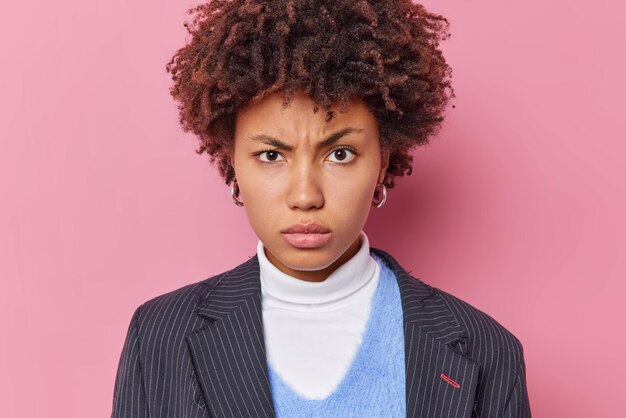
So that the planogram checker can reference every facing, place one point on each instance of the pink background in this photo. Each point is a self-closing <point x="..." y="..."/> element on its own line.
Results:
<point x="517" y="207"/>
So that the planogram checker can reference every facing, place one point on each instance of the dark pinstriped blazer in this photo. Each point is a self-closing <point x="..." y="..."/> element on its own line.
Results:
<point x="199" y="352"/>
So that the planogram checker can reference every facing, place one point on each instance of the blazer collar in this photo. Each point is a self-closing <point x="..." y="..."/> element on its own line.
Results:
<point x="229" y="356"/>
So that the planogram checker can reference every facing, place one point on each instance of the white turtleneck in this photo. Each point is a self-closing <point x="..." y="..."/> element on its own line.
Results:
<point x="313" y="330"/>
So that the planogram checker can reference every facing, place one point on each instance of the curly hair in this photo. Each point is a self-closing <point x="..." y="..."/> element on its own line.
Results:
<point x="385" y="52"/>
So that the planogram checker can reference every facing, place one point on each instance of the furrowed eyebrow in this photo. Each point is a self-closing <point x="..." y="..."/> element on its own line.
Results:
<point x="281" y="145"/>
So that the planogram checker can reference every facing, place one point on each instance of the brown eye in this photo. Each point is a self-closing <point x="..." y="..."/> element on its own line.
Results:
<point x="343" y="155"/>
<point x="271" y="156"/>
<point x="340" y="154"/>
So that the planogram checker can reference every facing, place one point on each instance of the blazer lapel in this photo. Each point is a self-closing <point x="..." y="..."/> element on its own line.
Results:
<point x="228" y="354"/>
<point x="440" y="378"/>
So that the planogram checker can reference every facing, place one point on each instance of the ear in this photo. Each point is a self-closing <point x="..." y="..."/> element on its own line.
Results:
<point x="384" y="163"/>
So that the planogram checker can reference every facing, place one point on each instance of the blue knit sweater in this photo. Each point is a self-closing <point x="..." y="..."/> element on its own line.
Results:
<point x="374" y="385"/>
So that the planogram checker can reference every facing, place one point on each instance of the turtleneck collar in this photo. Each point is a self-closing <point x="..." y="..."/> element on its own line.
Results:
<point x="286" y="291"/>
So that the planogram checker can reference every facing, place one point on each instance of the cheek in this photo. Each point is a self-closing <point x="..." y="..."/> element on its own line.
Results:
<point x="262" y="201"/>
<point x="254" y="182"/>
<point x="351" y="197"/>
<point x="260" y="189"/>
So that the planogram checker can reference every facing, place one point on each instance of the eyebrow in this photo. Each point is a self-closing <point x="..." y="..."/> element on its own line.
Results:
<point x="281" y="145"/>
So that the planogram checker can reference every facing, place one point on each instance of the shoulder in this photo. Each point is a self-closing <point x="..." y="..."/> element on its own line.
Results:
<point x="488" y="341"/>
<point x="176" y="309"/>
<point x="484" y="338"/>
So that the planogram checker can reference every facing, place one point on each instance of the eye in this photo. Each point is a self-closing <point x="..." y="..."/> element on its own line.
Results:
<point x="271" y="156"/>
<point x="343" y="154"/>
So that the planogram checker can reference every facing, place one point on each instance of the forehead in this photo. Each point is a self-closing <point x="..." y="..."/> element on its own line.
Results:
<point x="268" y="113"/>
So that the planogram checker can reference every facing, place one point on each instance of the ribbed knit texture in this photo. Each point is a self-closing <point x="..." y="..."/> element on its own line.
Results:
<point x="374" y="385"/>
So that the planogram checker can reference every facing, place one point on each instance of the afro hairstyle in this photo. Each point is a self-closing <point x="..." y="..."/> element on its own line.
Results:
<point x="385" y="52"/>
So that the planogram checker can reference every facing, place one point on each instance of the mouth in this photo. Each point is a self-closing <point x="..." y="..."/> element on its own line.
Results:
<point x="307" y="240"/>
<point x="306" y="235"/>
<point x="308" y="228"/>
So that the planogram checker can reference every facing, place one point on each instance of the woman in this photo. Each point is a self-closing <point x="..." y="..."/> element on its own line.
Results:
<point x="317" y="323"/>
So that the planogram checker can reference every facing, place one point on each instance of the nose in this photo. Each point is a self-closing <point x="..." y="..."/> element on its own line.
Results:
<point x="305" y="190"/>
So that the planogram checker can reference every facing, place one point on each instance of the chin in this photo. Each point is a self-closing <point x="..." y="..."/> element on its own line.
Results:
<point x="307" y="259"/>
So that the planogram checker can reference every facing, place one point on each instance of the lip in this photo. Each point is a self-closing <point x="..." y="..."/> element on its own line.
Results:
<point x="307" y="240"/>
<point x="310" y="235"/>
<point x="310" y="228"/>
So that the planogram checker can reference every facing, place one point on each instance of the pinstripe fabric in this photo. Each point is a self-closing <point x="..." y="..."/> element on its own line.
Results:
<point x="199" y="352"/>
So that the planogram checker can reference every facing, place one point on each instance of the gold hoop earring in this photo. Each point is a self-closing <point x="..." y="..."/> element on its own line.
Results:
<point x="384" y="199"/>
<point x="234" y="194"/>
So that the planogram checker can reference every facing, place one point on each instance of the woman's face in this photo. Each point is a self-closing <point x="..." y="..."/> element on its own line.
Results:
<point x="293" y="167"/>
